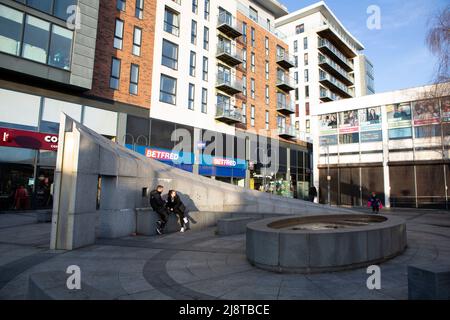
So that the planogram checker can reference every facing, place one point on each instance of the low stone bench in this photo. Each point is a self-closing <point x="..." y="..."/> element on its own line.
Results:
<point x="429" y="282"/>
<point x="146" y="220"/>
<point x="230" y="226"/>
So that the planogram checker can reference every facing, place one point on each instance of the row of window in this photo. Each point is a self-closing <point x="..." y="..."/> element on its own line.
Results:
<point x="139" y="7"/>
<point x="305" y="44"/>
<point x="32" y="38"/>
<point x="206" y="7"/>
<point x="118" y="37"/>
<point x="115" y="76"/>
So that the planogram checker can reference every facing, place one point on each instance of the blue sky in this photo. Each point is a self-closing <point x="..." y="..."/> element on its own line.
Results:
<point x="398" y="50"/>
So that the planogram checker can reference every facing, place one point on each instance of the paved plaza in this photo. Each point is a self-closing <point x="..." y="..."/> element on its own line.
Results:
<point x="196" y="265"/>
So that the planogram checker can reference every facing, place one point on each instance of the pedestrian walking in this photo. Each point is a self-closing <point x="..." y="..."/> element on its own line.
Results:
<point x="312" y="193"/>
<point x="375" y="203"/>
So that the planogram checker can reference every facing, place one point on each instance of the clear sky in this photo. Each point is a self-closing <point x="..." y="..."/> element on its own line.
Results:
<point x="398" y="50"/>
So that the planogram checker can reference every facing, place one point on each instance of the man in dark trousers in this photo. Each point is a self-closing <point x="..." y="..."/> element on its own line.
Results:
<point x="159" y="206"/>
<point x="312" y="193"/>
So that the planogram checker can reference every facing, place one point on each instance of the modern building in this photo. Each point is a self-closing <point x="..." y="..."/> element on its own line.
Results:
<point x="136" y="70"/>
<point x="329" y="65"/>
<point x="396" y="144"/>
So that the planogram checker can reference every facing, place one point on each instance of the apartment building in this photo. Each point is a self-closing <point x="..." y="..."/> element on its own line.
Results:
<point x="136" y="70"/>
<point x="394" y="143"/>
<point x="329" y="65"/>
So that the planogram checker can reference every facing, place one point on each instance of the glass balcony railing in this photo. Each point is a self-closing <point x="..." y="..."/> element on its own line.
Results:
<point x="286" y="131"/>
<point x="228" y="83"/>
<point x="327" y="44"/>
<point x="228" y="53"/>
<point x="228" y="113"/>
<point x="327" y="95"/>
<point x="324" y="76"/>
<point x="285" y="107"/>
<point x="229" y="25"/>
<point x="284" y="82"/>
<point x="325" y="60"/>
<point x="285" y="60"/>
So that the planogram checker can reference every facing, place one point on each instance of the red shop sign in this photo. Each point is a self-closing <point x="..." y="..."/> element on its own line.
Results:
<point x="28" y="139"/>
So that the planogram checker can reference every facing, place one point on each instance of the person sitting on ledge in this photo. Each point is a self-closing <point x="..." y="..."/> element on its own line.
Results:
<point x="159" y="206"/>
<point x="175" y="205"/>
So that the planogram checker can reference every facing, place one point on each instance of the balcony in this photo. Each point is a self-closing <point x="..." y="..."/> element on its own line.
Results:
<point x="327" y="95"/>
<point x="229" y="25"/>
<point x="229" y="54"/>
<point x="285" y="61"/>
<point x="228" y="114"/>
<point x="286" y="132"/>
<point x="334" y="85"/>
<point x="327" y="48"/>
<point x="285" y="108"/>
<point x="228" y="84"/>
<point x="284" y="82"/>
<point x="336" y="70"/>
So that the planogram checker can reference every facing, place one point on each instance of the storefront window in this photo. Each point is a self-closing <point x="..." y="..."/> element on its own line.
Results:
<point x="427" y="131"/>
<point x="10" y="30"/>
<point x="328" y="140"/>
<point x="371" y="136"/>
<point x="16" y="185"/>
<point x="60" y="48"/>
<point x="349" y="138"/>
<point x="400" y="133"/>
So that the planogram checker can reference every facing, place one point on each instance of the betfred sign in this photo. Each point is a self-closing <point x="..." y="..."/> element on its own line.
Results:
<point x="161" y="155"/>
<point x="28" y="139"/>
<point x="220" y="162"/>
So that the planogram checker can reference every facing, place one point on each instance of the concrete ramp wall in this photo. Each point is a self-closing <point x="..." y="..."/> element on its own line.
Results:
<point x="99" y="184"/>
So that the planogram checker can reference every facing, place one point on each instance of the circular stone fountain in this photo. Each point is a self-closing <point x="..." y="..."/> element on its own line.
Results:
<point x="322" y="243"/>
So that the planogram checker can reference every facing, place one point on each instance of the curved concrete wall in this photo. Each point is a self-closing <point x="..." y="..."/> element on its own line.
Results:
<point x="310" y="251"/>
<point x="84" y="156"/>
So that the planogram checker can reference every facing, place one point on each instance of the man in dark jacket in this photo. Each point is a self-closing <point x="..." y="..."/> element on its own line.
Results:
<point x="312" y="193"/>
<point x="159" y="206"/>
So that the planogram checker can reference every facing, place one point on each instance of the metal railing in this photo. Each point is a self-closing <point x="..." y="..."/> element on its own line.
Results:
<point x="228" y="80"/>
<point x="226" y="110"/>
<point x="229" y="49"/>
<point x="339" y="54"/>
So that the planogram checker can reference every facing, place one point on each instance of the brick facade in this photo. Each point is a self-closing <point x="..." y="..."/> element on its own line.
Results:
<point x="105" y="51"/>
<point x="259" y="75"/>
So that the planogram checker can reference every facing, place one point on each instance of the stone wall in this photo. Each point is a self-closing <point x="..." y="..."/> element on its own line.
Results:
<point x="99" y="184"/>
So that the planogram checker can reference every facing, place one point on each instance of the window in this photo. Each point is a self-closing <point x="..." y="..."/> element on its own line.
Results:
<point x="36" y="39"/>
<point x="244" y="59"/>
<point x="305" y="59"/>
<point x="137" y="39"/>
<point x="134" y="79"/>
<point x="253" y="14"/>
<point x="205" y="69"/>
<point x="195" y="6"/>
<point x="300" y="28"/>
<point x="168" y="89"/>
<point x="400" y="133"/>
<point x="121" y="4"/>
<point x="266" y="45"/>
<point x="118" y="34"/>
<point x="171" y="22"/>
<point x="307" y="108"/>
<point x="206" y="38"/>
<point x="267" y="120"/>
<point x="139" y="12"/>
<point x="244" y="113"/>
<point x="244" y="32"/>
<point x="296" y="77"/>
<point x="349" y="138"/>
<point x="252" y="88"/>
<point x="192" y="63"/>
<point x="295" y="46"/>
<point x="307" y="91"/>
<point x="267" y="94"/>
<point x="244" y="86"/>
<point x="115" y="74"/>
<point x="308" y="126"/>
<point x="296" y="93"/>
<point x="60" y="8"/>
<point x="207" y="7"/>
<point x="252" y="116"/>
<point x="252" y="35"/>
<point x="296" y="61"/>
<point x="194" y="32"/>
<point x="204" y="100"/>
<point x="427" y="131"/>
<point x="170" y="54"/>
<point x="267" y="70"/>
<point x="306" y="75"/>
<point x="191" y="99"/>
<point x="305" y="43"/>
<point x="11" y="23"/>
<point x="60" y="48"/>
<point x="252" y="61"/>
<point x="297" y="125"/>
